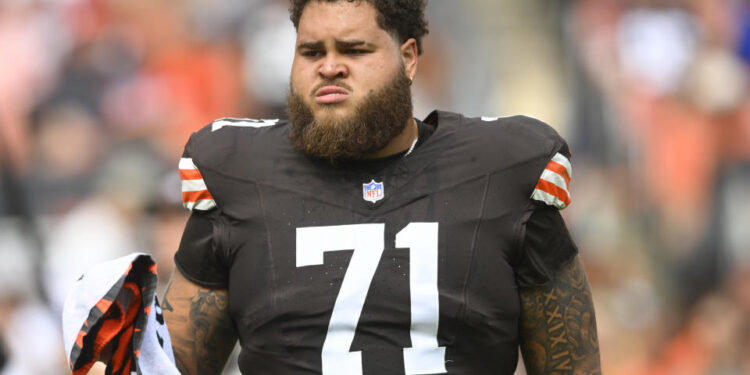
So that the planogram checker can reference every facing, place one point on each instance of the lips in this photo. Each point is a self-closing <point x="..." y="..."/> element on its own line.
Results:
<point x="331" y="94"/>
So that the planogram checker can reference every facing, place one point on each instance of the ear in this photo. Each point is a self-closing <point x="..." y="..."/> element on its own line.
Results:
<point x="409" y="56"/>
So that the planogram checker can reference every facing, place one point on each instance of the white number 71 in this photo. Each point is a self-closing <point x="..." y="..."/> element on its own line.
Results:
<point x="367" y="241"/>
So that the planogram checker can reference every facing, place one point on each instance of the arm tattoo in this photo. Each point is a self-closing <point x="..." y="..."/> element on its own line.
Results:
<point x="558" y="326"/>
<point x="201" y="329"/>
<point x="210" y="320"/>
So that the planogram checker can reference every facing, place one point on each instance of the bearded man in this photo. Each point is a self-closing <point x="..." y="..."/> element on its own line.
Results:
<point x="354" y="239"/>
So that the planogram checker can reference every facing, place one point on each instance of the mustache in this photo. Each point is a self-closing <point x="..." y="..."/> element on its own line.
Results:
<point x="330" y="82"/>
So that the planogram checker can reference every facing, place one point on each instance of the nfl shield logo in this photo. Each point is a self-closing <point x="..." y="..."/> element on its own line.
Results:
<point x="372" y="191"/>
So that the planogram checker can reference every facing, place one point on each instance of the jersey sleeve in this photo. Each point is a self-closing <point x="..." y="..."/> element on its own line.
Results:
<point x="547" y="247"/>
<point x="546" y="242"/>
<point x="200" y="257"/>
<point x="553" y="186"/>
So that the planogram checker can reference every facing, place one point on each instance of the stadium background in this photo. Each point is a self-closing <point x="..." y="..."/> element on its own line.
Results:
<point x="97" y="98"/>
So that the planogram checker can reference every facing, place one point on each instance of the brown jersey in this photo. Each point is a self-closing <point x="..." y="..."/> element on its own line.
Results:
<point x="410" y="267"/>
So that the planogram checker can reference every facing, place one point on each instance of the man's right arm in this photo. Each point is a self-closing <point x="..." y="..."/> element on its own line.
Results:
<point x="200" y="327"/>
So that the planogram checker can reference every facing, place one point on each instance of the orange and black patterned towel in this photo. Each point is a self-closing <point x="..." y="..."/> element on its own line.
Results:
<point x="113" y="315"/>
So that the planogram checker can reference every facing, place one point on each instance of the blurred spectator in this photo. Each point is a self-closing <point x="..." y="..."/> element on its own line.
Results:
<point x="107" y="223"/>
<point x="182" y="82"/>
<point x="30" y="32"/>
<point x="27" y="326"/>
<point x="656" y="45"/>
<point x="67" y="148"/>
<point x="677" y="94"/>
<point x="267" y="58"/>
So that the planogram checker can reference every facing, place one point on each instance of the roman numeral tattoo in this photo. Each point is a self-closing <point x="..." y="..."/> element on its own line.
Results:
<point x="558" y="326"/>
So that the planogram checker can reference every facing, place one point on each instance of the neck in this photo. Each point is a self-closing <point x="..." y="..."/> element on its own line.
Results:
<point x="399" y="143"/>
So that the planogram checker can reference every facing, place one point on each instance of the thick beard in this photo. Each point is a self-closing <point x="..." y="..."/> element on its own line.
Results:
<point x="380" y="117"/>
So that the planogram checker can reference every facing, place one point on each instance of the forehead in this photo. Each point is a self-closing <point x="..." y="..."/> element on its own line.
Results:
<point x="341" y="20"/>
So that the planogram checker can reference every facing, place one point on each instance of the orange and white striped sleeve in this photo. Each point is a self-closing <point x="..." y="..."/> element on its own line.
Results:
<point x="553" y="187"/>
<point x="195" y="194"/>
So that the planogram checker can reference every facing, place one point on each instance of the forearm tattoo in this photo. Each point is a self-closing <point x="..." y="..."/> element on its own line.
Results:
<point x="558" y="326"/>
<point x="204" y="331"/>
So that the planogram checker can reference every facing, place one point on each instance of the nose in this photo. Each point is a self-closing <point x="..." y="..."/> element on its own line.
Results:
<point x="331" y="68"/>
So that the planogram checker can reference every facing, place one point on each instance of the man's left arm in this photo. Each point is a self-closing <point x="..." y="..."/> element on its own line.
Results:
<point x="558" y="325"/>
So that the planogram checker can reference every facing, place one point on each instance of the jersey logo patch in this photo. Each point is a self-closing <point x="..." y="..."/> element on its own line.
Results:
<point x="373" y="191"/>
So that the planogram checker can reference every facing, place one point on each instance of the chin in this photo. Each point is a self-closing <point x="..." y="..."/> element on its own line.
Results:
<point x="337" y="111"/>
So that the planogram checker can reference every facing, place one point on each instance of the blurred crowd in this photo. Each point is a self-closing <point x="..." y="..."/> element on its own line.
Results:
<point x="661" y="124"/>
<point x="97" y="98"/>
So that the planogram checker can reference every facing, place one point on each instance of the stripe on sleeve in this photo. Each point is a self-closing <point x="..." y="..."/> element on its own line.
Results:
<point x="562" y="160"/>
<point x="555" y="168"/>
<point x="195" y="194"/>
<point x="553" y="185"/>
<point x="554" y="178"/>
<point x="187" y="163"/>
<point x="193" y="185"/>
<point x="549" y="193"/>
<point x="201" y="205"/>
<point x="190" y="174"/>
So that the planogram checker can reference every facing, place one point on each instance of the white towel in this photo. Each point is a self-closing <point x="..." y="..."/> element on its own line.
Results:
<point x="115" y="304"/>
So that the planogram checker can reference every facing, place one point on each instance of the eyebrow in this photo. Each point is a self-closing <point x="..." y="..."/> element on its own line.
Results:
<point x="352" y="43"/>
<point x="339" y="44"/>
<point x="310" y="45"/>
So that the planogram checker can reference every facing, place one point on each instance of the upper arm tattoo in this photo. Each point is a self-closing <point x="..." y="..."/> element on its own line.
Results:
<point x="558" y="326"/>
<point x="200" y="327"/>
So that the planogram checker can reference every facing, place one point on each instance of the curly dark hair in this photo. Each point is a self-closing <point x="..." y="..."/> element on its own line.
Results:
<point x="403" y="18"/>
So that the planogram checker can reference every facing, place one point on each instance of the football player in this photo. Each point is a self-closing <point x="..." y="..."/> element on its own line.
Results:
<point x="354" y="239"/>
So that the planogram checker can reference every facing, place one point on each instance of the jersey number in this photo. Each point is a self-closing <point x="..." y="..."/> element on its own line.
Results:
<point x="367" y="241"/>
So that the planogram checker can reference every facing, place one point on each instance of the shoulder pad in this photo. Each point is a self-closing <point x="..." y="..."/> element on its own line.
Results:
<point x="543" y="143"/>
<point x="208" y="148"/>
